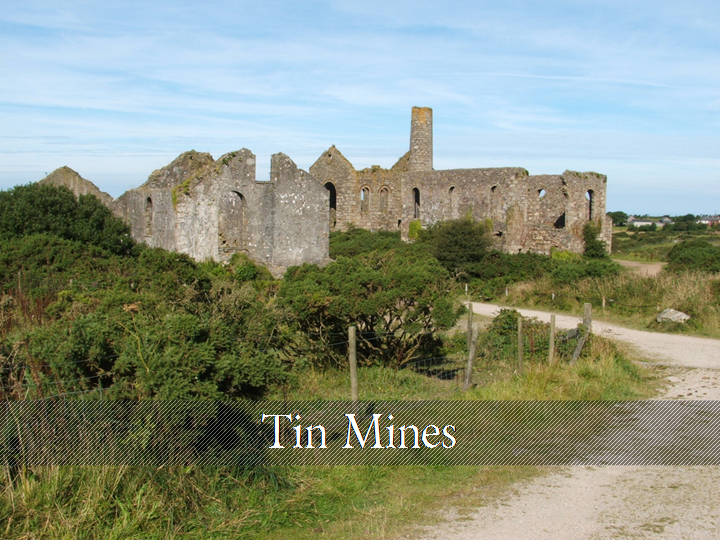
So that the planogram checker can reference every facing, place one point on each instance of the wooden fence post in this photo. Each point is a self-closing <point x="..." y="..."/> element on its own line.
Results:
<point x="521" y="346"/>
<point x="551" y="344"/>
<point x="470" y="325"/>
<point x="472" y="351"/>
<point x="587" y="317"/>
<point x="352" y="350"/>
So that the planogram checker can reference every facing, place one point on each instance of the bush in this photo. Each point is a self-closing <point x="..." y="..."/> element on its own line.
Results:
<point x="694" y="255"/>
<point x="357" y="241"/>
<point x="397" y="301"/>
<point x="46" y="209"/>
<point x="594" y="248"/>
<point x="157" y="325"/>
<point x="460" y="245"/>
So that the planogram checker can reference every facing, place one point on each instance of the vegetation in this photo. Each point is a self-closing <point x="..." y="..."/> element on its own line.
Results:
<point x="46" y="209"/>
<point x="652" y="243"/>
<point x="460" y="246"/>
<point x="698" y="255"/>
<point x="618" y="218"/>
<point x="397" y="302"/>
<point x="633" y="299"/>
<point x="594" y="247"/>
<point x="87" y="313"/>
<point x="357" y="241"/>
<point x="352" y="502"/>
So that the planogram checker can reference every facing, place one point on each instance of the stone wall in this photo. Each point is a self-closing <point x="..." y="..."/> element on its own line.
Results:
<point x="526" y="213"/>
<point x="212" y="209"/>
<point x="65" y="176"/>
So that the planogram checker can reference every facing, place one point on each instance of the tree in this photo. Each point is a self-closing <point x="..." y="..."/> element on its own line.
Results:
<point x="459" y="245"/>
<point x="618" y="218"/>
<point x="41" y="208"/>
<point x="397" y="301"/>
<point x="594" y="248"/>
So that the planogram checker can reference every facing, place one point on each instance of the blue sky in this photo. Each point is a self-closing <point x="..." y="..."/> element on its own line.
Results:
<point x="117" y="89"/>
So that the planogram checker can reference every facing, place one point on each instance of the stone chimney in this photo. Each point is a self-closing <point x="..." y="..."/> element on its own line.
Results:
<point x="421" y="139"/>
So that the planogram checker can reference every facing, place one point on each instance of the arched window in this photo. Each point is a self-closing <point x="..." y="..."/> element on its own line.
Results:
<point x="232" y="223"/>
<point x="590" y="196"/>
<point x="492" y="207"/>
<point x="541" y="193"/>
<point x="384" y="196"/>
<point x="364" y="199"/>
<point x="452" y="201"/>
<point x="333" y="203"/>
<point x="148" y="217"/>
<point x="416" y="203"/>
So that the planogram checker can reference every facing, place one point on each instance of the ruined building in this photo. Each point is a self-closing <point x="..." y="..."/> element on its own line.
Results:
<point x="528" y="213"/>
<point x="212" y="209"/>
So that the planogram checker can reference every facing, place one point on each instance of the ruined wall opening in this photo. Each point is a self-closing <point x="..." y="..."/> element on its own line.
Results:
<point x="332" y="199"/>
<point x="416" y="203"/>
<point x="452" y="200"/>
<point x="560" y="222"/>
<point x="493" y="202"/>
<point x="364" y="199"/>
<point x="232" y="223"/>
<point x="384" y="196"/>
<point x="590" y="196"/>
<point x="148" y="217"/>
<point x="541" y="193"/>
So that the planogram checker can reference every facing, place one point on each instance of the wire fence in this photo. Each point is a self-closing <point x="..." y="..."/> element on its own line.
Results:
<point x="28" y="380"/>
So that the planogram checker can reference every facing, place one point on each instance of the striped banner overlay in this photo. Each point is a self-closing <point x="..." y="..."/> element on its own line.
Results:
<point x="253" y="433"/>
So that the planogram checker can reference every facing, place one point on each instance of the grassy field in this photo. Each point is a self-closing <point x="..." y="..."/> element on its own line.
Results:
<point x="632" y="299"/>
<point x="630" y="244"/>
<point x="308" y="502"/>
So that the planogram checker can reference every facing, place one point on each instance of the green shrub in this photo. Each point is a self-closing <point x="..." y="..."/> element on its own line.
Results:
<point x="459" y="245"/>
<point x="46" y="209"/>
<point x="594" y="248"/>
<point x="356" y="241"/>
<point x="694" y="255"/>
<point x="414" y="228"/>
<point x="396" y="300"/>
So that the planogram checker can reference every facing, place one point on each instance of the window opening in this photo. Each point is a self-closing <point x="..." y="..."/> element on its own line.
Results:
<point x="364" y="199"/>
<point x="384" y="195"/>
<point x="332" y="200"/>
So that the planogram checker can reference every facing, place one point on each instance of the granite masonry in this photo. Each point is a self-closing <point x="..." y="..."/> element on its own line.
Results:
<point x="211" y="209"/>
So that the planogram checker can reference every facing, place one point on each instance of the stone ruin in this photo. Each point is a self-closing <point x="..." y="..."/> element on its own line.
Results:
<point x="211" y="209"/>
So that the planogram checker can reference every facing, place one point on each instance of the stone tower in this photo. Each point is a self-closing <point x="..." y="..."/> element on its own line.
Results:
<point x="421" y="139"/>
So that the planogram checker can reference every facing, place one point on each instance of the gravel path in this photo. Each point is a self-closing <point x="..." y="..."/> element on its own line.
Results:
<point x="598" y="503"/>
<point x="642" y="268"/>
<point x="673" y="349"/>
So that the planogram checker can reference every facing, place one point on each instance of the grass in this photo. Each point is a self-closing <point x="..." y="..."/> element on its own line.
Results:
<point x="310" y="502"/>
<point x="653" y="246"/>
<point x="632" y="299"/>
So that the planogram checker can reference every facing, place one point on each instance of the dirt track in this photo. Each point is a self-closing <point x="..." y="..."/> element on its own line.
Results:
<point x="642" y="268"/>
<point x="613" y="502"/>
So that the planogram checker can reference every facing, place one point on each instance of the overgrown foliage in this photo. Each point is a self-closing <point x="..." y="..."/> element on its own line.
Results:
<point x="356" y="241"/>
<point x="40" y="208"/>
<point x="698" y="255"/>
<point x="460" y="245"/>
<point x="594" y="247"/>
<point x="396" y="300"/>
<point x="153" y="326"/>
